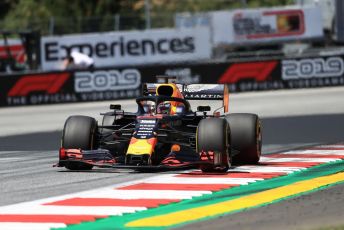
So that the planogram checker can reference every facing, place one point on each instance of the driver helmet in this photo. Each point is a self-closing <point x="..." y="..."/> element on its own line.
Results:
<point x="164" y="108"/>
<point x="148" y="108"/>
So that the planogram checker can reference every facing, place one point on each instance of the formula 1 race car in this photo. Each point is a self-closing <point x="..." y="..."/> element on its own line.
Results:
<point x="164" y="133"/>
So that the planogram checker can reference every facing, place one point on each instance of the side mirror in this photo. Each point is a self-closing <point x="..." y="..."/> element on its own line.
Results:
<point x="203" y="108"/>
<point x="115" y="107"/>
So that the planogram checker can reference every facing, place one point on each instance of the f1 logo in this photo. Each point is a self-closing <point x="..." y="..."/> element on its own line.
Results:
<point x="50" y="83"/>
<point x="259" y="71"/>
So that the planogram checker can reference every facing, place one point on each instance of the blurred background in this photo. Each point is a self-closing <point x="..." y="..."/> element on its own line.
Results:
<point x="65" y="17"/>
<point x="250" y="45"/>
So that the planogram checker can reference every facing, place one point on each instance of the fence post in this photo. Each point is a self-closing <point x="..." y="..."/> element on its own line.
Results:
<point x="117" y="21"/>
<point x="51" y="25"/>
<point x="147" y="14"/>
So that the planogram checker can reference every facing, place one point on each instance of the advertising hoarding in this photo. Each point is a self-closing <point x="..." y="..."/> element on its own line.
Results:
<point x="129" y="47"/>
<point x="266" y="26"/>
<point x="125" y="82"/>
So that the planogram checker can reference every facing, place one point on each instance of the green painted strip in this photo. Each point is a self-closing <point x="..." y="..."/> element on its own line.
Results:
<point x="241" y="203"/>
<point x="119" y="222"/>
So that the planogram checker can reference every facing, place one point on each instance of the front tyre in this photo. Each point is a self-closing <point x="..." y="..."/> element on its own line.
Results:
<point x="212" y="137"/>
<point x="79" y="132"/>
<point x="246" y="137"/>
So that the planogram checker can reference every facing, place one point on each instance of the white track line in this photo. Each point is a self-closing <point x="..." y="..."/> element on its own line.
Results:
<point x="316" y="151"/>
<point x="69" y="210"/>
<point x="30" y="226"/>
<point x="144" y="194"/>
<point x="12" y="159"/>
<point x="269" y="169"/>
<point x="329" y="146"/>
<point x="200" y="180"/>
<point x="283" y="160"/>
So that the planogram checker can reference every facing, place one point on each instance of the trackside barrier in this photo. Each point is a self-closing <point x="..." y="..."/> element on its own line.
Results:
<point x="125" y="82"/>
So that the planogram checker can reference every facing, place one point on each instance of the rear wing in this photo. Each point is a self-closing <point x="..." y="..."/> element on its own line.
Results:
<point x="195" y="92"/>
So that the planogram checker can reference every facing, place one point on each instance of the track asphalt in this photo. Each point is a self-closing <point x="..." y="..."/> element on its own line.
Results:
<point x="26" y="173"/>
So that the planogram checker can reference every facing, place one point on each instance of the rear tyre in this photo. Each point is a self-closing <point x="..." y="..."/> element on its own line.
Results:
<point x="213" y="136"/>
<point x="79" y="132"/>
<point x="246" y="137"/>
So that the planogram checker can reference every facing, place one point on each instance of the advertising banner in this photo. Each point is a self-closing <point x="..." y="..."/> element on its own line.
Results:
<point x="320" y="67"/>
<point x="64" y="87"/>
<point x="15" y="48"/>
<point x="129" y="47"/>
<point x="125" y="82"/>
<point x="259" y="26"/>
<point x="311" y="72"/>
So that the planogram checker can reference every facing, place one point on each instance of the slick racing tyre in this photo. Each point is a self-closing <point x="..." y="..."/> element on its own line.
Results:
<point x="79" y="132"/>
<point x="213" y="136"/>
<point x="246" y="137"/>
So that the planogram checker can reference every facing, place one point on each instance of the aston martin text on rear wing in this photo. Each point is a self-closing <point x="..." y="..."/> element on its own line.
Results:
<point x="195" y="92"/>
<point x="204" y="92"/>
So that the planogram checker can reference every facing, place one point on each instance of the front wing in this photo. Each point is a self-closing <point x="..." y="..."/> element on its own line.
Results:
<point x="102" y="158"/>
